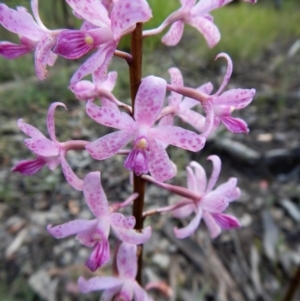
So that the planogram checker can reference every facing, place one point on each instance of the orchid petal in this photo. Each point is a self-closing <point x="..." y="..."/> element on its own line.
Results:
<point x="196" y="120"/>
<point x="85" y="90"/>
<point x="132" y="236"/>
<point x="35" y="11"/>
<point x="206" y="88"/>
<point x="214" y="202"/>
<point x="94" y="194"/>
<point x="174" y="34"/>
<point x="191" y="180"/>
<point x="166" y="120"/>
<point x="97" y="234"/>
<point x="226" y="221"/>
<point x="237" y="98"/>
<point x="160" y="166"/>
<point x="91" y="10"/>
<point x="205" y="6"/>
<point x="190" y="228"/>
<point x="209" y="120"/>
<point x="42" y="53"/>
<point x="227" y="74"/>
<point x="19" y="22"/>
<point x="229" y="190"/>
<point x="99" y="255"/>
<point x="207" y="28"/>
<point x="98" y="283"/>
<point x="29" y="167"/>
<point x="149" y="100"/>
<point x="42" y="147"/>
<point x="111" y="117"/>
<point x="100" y="73"/>
<point x="97" y="62"/>
<point x="107" y="146"/>
<point x="72" y="44"/>
<point x="213" y="228"/>
<point x="71" y="228"/>
<point x="119" y="220"/>
<point x="126" y="13"/>
<point x="109" y="294"/>
<point x="69" y="174"/>
<point x="184" y="211"/>
<point x="11" y="51"/>
<point x="139" y="293"/>
<point x="235" y="125"/>
<point x="126" y="291"/>
<point x="176" y="80"/>
<point x="201" y="178"/>
<point x="215" y="172"/>
<point x="179" y="137"/>
<point x="127" y="261"/>
<point x="53" y="162"/>
<point x="110" y="82"/>
<point x="30" y="130"/>
<point x="51" y="121"/>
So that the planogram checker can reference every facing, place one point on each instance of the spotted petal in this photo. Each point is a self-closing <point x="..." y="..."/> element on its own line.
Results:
<point x="98" y="283"/>
<point x="69" y="174"/>
<point x="191" y="227"/>
<point x="91" y="10"/>
<point x="179" y="137"/>
<point x="107" y="146"/>
<point x="127" y="261"/>
<point x="149" y="100"/>
<point x="208" y="29"/>
<point x="71" y="228"/>
<point x="126" y="13"/>
<point x="95" y="195"/>
<point x="20" y="22"/>
<point x="42" y="147"/>
<point x="30" y="130"/>
<point x="174" y="34"/>
<point x="160" y="166"/>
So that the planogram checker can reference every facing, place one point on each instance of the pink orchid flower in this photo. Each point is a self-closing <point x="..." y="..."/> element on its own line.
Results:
<point x="194" y="14"/>
<point x="197" y="16"/>
<point x="87" y="90"/>
<point x="34" y="36"/>
<point x="104" y="37"/>
<point x="220" y="107"/>
<point x="49" y="152"/>
<point x="94" y="233"/>
<point x="124" y="287"/>
<point x="182" y="106"/>
<point x="148" y="153"/>
<point x="210" y="203"/>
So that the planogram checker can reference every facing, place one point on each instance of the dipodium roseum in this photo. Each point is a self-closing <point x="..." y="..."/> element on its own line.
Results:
<point x="105" y="36"/>
<point x="124" y="287"/>
<point x="34" y="36"/>
<point x="94" y="233"/>
<point x="148" y="153"/>
<point x="210" y="203"/>
<point x="49" y="152"/>
<point x="182" y="107"/>
<point x="87" y="90"/>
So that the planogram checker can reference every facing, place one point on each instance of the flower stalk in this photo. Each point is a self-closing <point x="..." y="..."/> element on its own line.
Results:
<point x="135" y="70"/>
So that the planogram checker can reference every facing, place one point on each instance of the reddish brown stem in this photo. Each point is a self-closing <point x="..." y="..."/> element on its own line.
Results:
<point x="293" y="286"/>
<point x="135" y="69"/>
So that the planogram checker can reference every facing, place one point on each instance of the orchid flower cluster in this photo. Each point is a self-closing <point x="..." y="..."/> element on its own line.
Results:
<point x="148" y="124"/>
